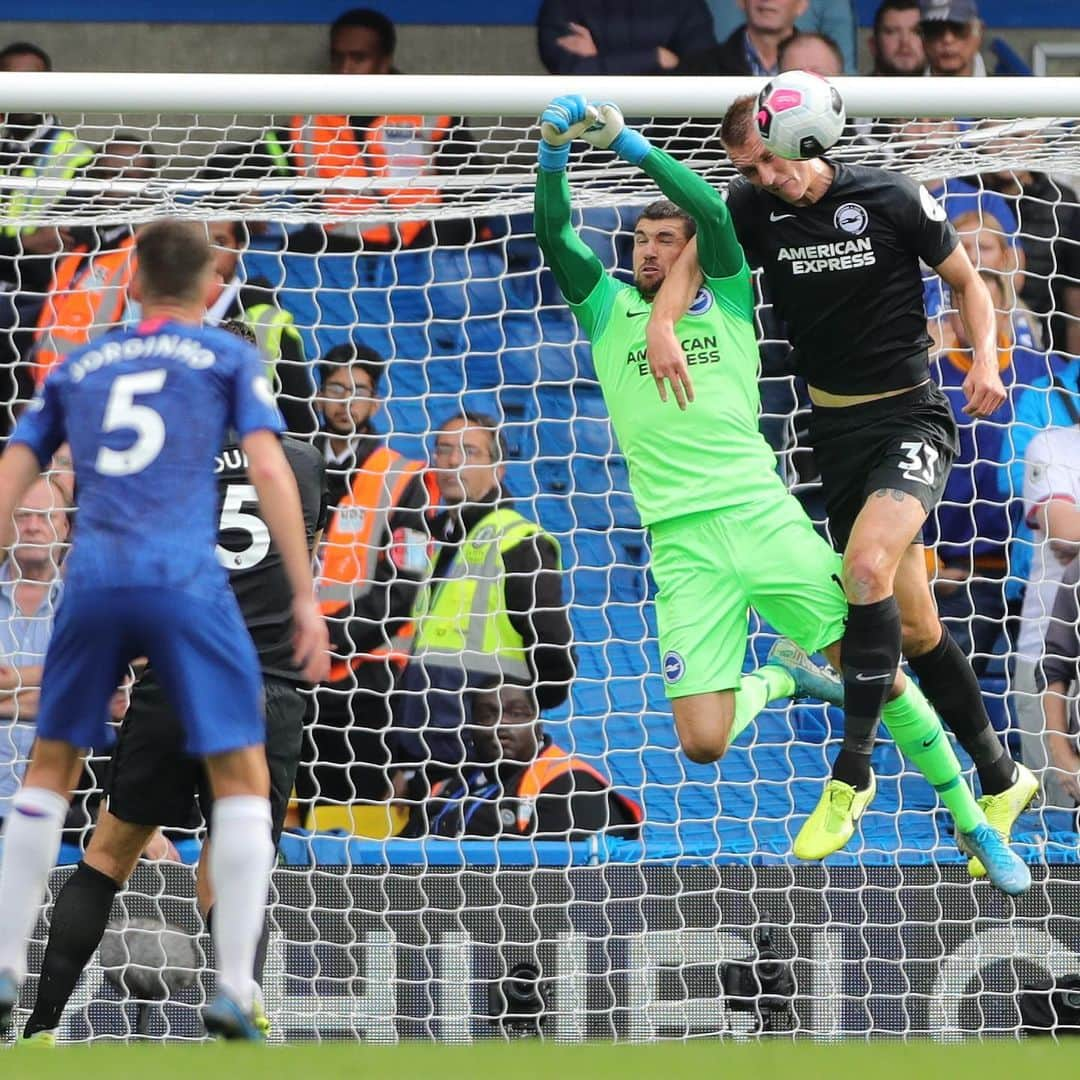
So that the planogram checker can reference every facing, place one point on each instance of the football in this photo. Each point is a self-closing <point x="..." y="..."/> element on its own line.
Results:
<point x="799" y="115"/>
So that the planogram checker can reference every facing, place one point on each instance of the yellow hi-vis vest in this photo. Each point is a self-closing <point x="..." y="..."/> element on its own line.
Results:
<point x="56" y="168"/>
<point x="269" y="325"/>
<point x="463" y="621"/>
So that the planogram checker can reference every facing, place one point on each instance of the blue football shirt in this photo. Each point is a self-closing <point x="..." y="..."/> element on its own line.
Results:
<point x="145" y="412"/>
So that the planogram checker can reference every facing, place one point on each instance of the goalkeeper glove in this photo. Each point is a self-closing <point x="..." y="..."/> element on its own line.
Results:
<point x="610" y="132"/>
<point x="564" y="120"/>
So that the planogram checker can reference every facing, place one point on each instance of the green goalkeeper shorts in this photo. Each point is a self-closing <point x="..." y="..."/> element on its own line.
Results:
<point x="712" y="567"/>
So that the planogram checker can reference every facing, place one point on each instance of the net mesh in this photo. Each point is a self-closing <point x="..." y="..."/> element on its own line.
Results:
<point x="424" y="252"/>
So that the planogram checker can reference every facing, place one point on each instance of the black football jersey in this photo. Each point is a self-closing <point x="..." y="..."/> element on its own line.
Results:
<point x="256" y="571"/>
<point x="844" y="274"/>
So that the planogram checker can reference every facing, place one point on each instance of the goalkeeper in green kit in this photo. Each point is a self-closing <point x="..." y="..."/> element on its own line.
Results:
<point x="725" y="533"/>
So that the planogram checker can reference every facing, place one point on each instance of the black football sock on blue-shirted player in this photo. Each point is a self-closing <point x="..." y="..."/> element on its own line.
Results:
<point x="869" y="657"/>
<point x="948" y="682"/>
<point x="79" y="918"/>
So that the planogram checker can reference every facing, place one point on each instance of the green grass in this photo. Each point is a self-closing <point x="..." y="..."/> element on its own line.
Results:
<point x="699" y="1060"/>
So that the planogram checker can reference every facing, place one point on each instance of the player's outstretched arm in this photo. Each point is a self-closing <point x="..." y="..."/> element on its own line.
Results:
<point x="983" y="387"/>
<point x="19" y="468"/>
<point x="576" y="268"/>
<point x="279" y="502"/>
<point x="667" y="361"/>
<point x="719" y="250"/>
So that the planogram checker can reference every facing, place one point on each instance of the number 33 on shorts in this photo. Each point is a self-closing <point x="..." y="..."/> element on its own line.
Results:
<point x="920" y="462"/>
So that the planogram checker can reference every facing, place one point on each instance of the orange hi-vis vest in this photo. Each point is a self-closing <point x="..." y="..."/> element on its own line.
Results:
<point x="397" y="149"/>
<point x="549" y="765"/>
<point x="354" y="544"/>
<point x="87" y="299"/>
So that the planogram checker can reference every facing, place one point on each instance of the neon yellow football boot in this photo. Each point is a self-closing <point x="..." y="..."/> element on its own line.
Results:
<point x="1003" y="809"/>
<point x="40" y="1040"/>
<point x="832" y="824"/>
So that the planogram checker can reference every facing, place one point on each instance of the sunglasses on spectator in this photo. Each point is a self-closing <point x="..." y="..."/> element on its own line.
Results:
<point x="940" y="27"/>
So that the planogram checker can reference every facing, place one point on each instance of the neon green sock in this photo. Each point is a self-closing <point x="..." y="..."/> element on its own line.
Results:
<point x="756" y="690"/>
<point x="918" y="733"/>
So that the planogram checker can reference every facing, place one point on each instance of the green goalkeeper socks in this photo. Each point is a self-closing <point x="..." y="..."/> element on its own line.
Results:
<point x="756" y="690"/>
<point x="920" y="736"/>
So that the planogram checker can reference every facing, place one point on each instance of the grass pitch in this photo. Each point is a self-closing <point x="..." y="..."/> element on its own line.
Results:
<point x="528" y="1060"/>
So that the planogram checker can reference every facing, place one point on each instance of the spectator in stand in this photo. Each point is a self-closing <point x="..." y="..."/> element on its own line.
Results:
<point x="952" y="36"/>
<point x="30" y="590"/>
<point x="1058" y="678"/>
<point x="493" y="604"/>
<point x="255" y="304"/>
<point x="1052" y="511"/>
<point x="373" y="558"/>
<point x="969" y="530"/>
<point x="923" y="143"/>
<point x="523" y="784"/>
<point x="31" y="144"/>
<point x="834" y="18"/>
<point x="753" y="48"/>
<point x="814" y="52"/>
<point x="634" y="37"/>
<point x="397" y="150"/>
<point x="1049" y="225"/>
<point x="895" y="42"/>
<point x="987" y="244"/>
<point x="88" y="295"/>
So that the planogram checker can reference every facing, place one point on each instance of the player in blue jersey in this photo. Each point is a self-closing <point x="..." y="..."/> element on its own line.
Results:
<point x="145" y="413"/>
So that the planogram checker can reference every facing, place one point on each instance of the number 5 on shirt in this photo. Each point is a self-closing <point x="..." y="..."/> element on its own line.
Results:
<point x="122" y="414"/>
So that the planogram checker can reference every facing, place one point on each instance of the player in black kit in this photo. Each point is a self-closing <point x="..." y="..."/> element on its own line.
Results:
<point x="152" y="781"/>
<point x="840" y="246"/>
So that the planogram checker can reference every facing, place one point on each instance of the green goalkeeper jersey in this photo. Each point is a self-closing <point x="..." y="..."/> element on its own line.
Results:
<point x="712" y="455"/>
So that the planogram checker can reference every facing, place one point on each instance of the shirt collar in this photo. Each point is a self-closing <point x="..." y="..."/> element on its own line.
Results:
<point x="753" y="58"/>
<point x="8" y="583"/>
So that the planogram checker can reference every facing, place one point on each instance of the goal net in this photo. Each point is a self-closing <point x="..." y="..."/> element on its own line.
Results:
<point x="395" y="213"/>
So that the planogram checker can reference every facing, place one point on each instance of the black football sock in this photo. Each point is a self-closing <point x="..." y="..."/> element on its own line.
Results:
<point x="949" y="684"/>
<point x="869" y="657"/>
<point x="79" y="918"/>
<point x="260" y="949"/>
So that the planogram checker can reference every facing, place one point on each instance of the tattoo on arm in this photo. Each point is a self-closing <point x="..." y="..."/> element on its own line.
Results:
<point x="894" y="493"/>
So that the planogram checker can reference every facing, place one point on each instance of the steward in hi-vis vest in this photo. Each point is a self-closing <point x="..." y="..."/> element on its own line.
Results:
<point x="383" y="160"/>
<point x="391" y="153"/>
<point x="526" y="785"/>
<point x="372" y="561"/>
<point x="492" y="605"/>
<point x="254" y="303"/>
<point x="88" y="298"/>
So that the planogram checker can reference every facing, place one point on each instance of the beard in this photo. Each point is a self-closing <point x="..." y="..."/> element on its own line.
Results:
<point x="886" y="67"/>
<point x="648" y="292"/>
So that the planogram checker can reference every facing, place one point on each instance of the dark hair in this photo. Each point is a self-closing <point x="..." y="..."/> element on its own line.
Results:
<point x="892" y="5"/>
<point x="662" y="209"/>
<point x="810" y="35"/>
<point x="470" y="418"/>
<point x="239" y="329"/>
<point x="239" y="161"/>
<point x="24" y="48"/>
<point x="351" y="355"/>
<point x="369" y="20"/>
<point x="173" y="256"/>
<point x="740" y="121"/>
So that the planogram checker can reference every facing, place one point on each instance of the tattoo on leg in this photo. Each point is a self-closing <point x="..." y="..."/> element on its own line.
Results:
<point x="895" y="493"/>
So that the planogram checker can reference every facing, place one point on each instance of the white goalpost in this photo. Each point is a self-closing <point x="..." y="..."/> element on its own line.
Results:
<point x="705" y="926"/>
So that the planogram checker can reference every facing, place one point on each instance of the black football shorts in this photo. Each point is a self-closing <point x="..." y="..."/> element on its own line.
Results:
<point x="153" y="781"/>
<point x="907" y="443"/>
